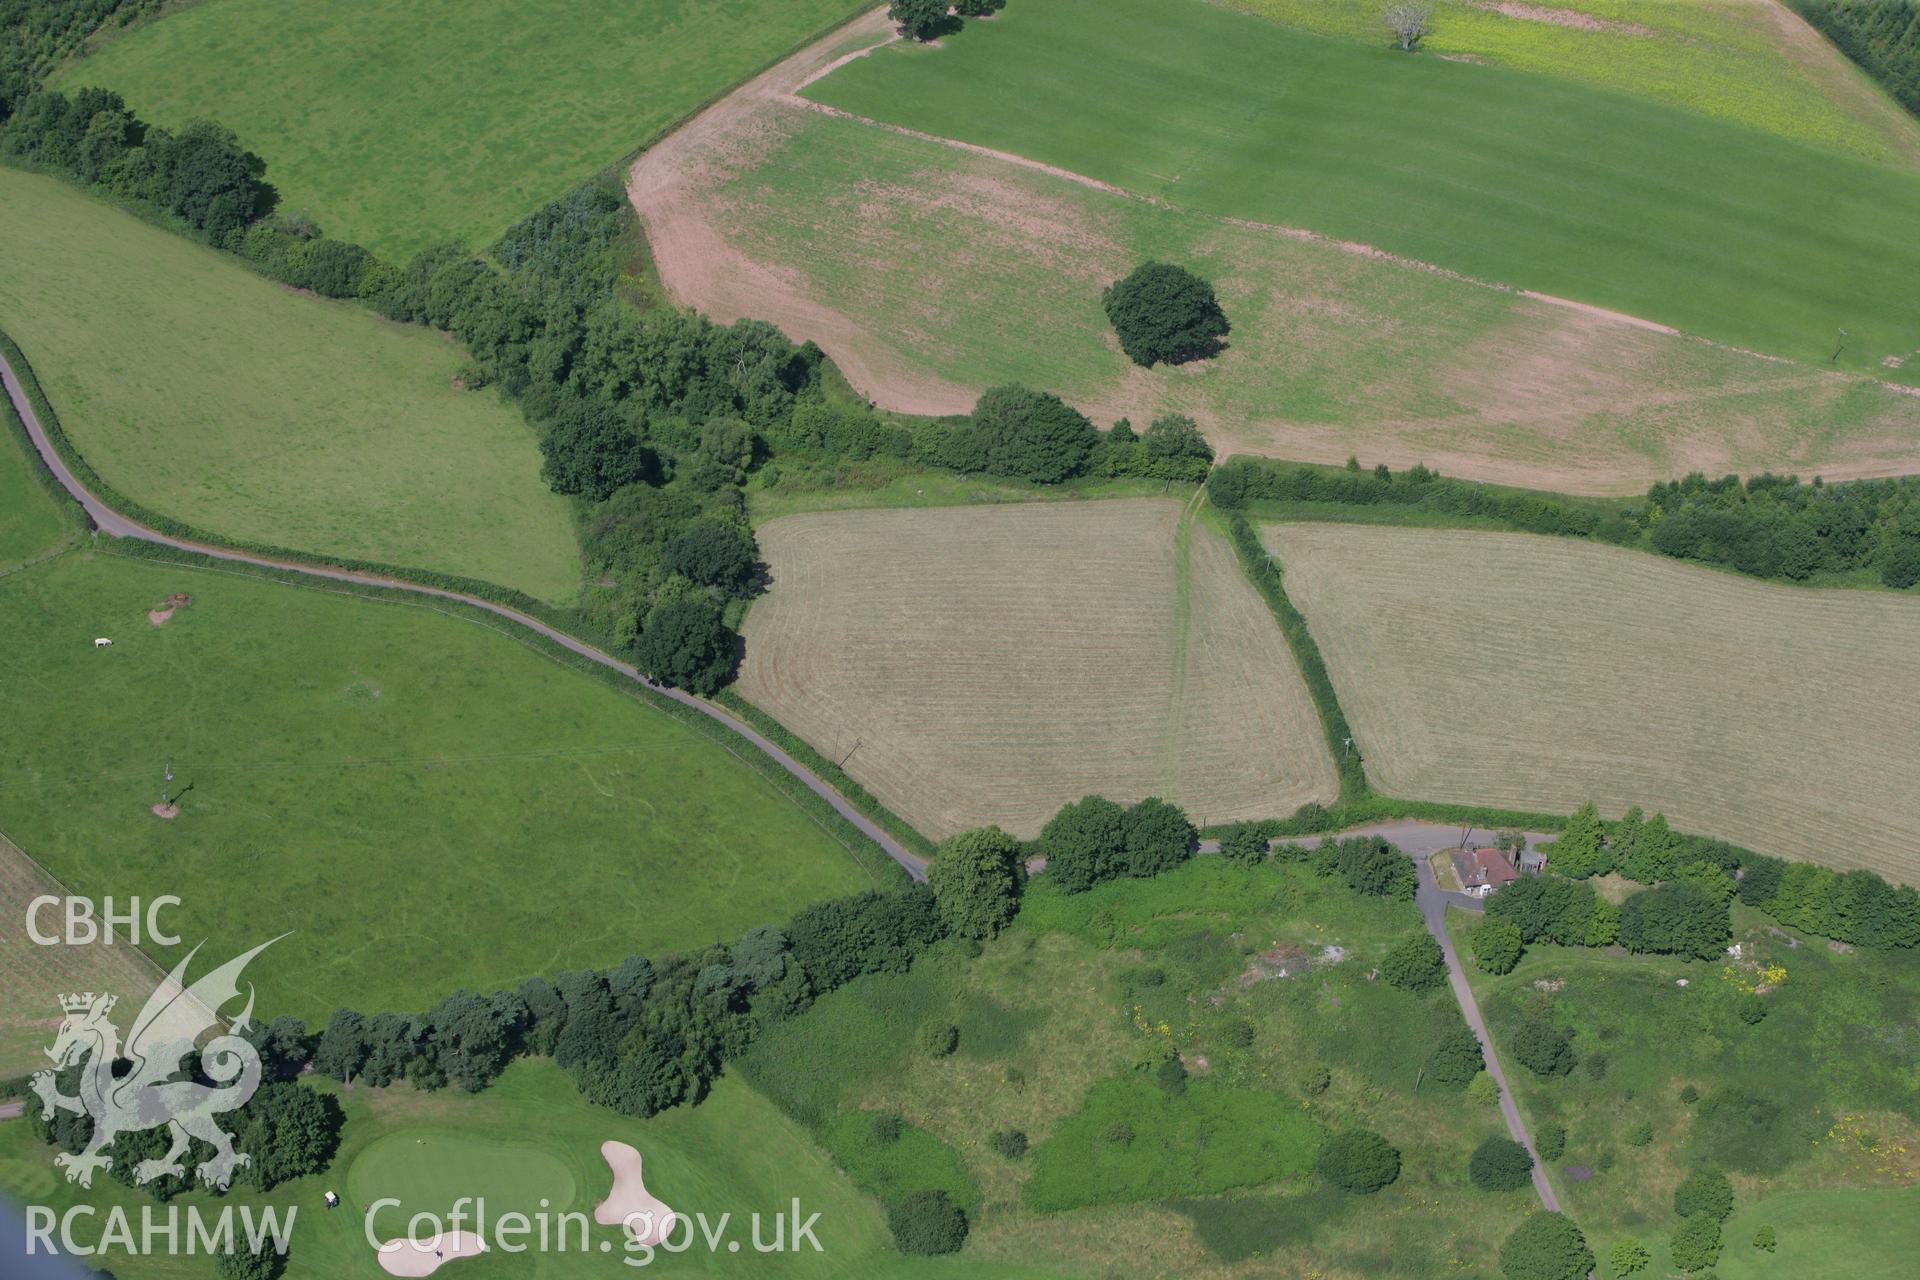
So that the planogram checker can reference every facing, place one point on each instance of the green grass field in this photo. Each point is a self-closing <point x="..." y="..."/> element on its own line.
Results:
<point x="1815" y="1148"/>
<point x="1055" y="1017"/>
<point x="1333" y="354"/>
<point x="221" y="399"/>
<point x="404" y="124"/>
<point x="1749" y="61"/>
<point x="428" y="1169"/>
<point x="425" y="802"/>
<point x="1864" y="1235"/>
<point x="530" y="1136"/>
<point x="31" y="522"/>
<point x="1529" y="180"/>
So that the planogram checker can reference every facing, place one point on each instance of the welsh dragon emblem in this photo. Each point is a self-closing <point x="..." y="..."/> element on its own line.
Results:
<point x="157" y="1090"/>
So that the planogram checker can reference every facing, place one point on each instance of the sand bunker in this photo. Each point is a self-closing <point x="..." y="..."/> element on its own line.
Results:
<point x="424" y="1257"/>
<point x="646" y="1217"/>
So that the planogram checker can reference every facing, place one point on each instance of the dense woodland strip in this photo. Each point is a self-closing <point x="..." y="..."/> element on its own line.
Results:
<point x="1768" y="526"/>
<point x="1883" y="36"/>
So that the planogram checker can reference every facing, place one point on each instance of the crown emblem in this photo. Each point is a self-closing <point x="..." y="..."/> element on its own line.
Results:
<point x="82" y="1003"/>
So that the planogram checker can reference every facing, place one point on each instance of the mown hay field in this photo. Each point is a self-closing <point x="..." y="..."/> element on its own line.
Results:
<point x="34" y="976"/>
<point x="424" y="801"/>
<point x="1538" y="673"/>
<point x="403" y="123"/>
<point x="989" y="664"/>
<point x="1333" y="353"/>
<point x="1530" y="180"/>
<point x="219" y="398"/>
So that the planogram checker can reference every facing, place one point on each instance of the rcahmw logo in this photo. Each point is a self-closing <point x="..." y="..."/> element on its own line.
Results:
<point x="158" y="1086"/>
<point x="158" y="1230"/>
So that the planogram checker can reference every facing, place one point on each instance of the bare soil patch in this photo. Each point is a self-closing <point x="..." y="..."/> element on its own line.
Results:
<point x="1562" y="17"/>
<point x="699" y="267"/>
<point x="159" y="614"/>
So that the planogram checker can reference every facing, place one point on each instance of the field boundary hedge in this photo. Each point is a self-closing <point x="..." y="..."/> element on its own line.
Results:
<point x="1856" y="534"/>
<point x="1359" y="803"/>
<point x="1756" y="874"/>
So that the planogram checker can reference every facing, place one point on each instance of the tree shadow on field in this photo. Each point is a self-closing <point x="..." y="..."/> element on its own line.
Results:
<point x="1237" y="1227"/>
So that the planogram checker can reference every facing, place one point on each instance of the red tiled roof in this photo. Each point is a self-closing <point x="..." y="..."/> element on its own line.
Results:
<point x="1483" y="867"/>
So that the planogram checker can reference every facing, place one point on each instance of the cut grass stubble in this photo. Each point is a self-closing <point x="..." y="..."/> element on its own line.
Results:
<point x="981" y="665"/>
<point x="1537" y="673"/>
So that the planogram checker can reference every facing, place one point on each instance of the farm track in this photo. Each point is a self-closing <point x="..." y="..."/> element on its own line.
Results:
<point x="1420" y="840"/>
<point x="107" y="520"/>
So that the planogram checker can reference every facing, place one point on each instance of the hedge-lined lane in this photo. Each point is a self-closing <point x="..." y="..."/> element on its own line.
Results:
<point x="108" y="520"/>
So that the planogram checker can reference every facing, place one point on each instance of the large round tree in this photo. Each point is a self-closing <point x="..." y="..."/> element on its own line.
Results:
<point x="1033" y="435"/>
<point x="1359" y="1160"/>
<point x="687" y="643"/>
<point x="920" y="19"/>
<point x="1547" y="1246"/>
<point x="1165" y="314"/>
<point x="927" y="1223"/>
<point x="976" y="878"/>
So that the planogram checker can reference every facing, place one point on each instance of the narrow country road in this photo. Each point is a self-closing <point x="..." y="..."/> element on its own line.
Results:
<point x="107" y="520"/>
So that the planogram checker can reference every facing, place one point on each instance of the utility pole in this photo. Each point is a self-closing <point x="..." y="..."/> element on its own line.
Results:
<point x="1839" y="345"/>
<point x="850" y="750"/>
<point x="166" y="785"/>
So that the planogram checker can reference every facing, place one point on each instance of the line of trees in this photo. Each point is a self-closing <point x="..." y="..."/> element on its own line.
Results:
<point x="1035" y="436"/>
<point x="1857" y="907"/>
<point x="1767" y="526"/>
<point x="36" y="36"/>
<point x="1883" y="36"/>
<point x="1779" y="527"/>
<point x="201" y="175"/>
<point x="1687" y="910"/>
<point x="1094" y="840"/>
